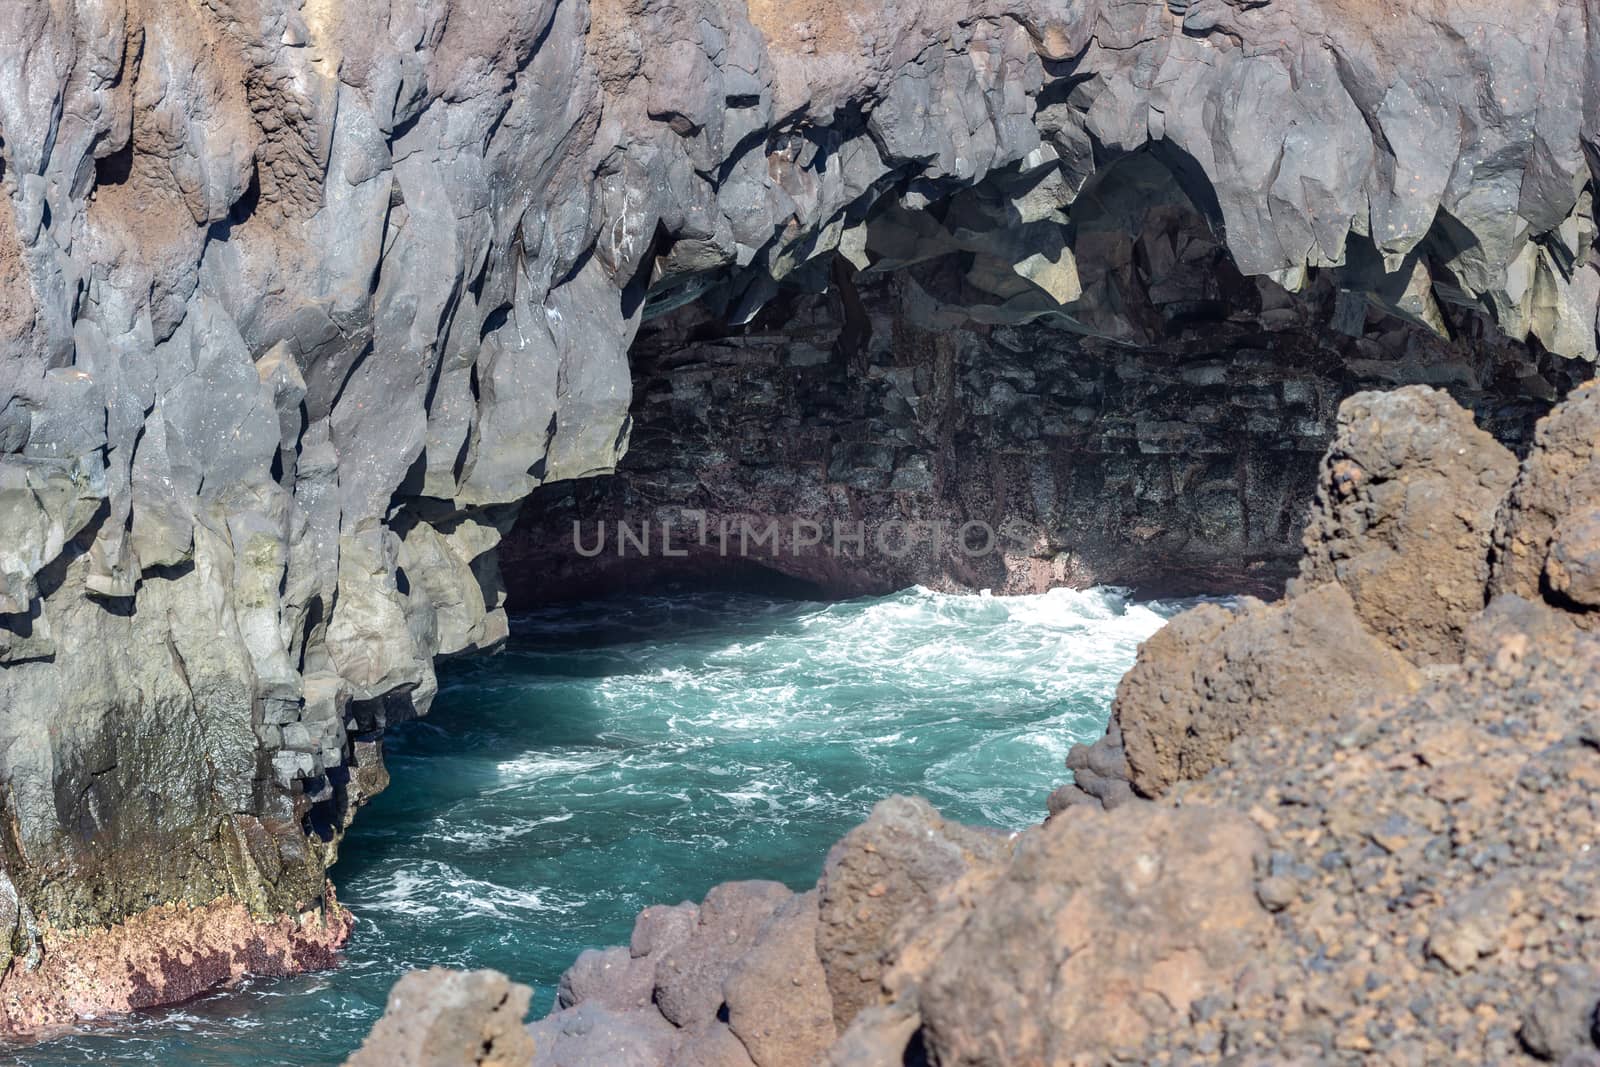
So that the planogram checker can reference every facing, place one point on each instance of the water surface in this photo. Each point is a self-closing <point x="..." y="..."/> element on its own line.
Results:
<point x="641" y="749"/>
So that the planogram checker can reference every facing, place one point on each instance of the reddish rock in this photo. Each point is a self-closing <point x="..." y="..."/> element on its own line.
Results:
<point x="777" y="995"/>
<point x="712" y="1046"/>
<point x="1211" y="676"/>
<point x="613" y="977"/>
<point x="1544" y="541"/>
<point x="890" y="869"/>
<point x="593" y="1035"/>
<point x="689" y="976"/>
<point x="1104" y="931"/>
<point x="162" y="956"/>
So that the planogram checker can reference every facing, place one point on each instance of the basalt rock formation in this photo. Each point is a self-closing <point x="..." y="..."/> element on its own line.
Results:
<point x="1394" y="862"/>
<point x="299" y="300"/>
<point x="875" y="437"/>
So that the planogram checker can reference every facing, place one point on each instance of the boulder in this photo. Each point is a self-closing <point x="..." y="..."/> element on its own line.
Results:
<point x="777" y="995"/>
<point x="689" y="976"/>
<point x="444" y="1018"/>
<point x="886" y="872"/>
<point x="594" y="1035"/>
<point x="1547" y="540"/>
<point x="1075" y="958"/>
<point x="1405" y="510"/>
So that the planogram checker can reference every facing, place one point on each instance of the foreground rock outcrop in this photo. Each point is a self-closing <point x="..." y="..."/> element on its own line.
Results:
<point x="1389" y="860"/>
<point x="299" y="301"/>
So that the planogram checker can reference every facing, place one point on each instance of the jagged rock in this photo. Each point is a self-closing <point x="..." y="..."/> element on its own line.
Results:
<point x="444" y="1018"/>
<point x="1183" y="461"/>
<point x="1546" y="539"/>
<point x="1397" y="560"/>
<point x="1404" y="875"/>
<point x="888" y="874"/>
<point x="1405" y="510"/>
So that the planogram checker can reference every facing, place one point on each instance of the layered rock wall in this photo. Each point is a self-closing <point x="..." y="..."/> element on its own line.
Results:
<point x="298" y="300"/>
<point x="865" y="428"/>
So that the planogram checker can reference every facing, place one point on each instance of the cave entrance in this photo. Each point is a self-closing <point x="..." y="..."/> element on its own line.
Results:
<point x="1098" y="396"/>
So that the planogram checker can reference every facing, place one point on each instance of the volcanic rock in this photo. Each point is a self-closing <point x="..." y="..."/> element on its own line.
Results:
<point x="1406" y="505"/>
<point x="443" y="1018"/>
<point x="1547" y="542"/>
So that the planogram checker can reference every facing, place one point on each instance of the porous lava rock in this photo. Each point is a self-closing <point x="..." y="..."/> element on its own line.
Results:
<point x="1406" y="506"/>
<point x="1547" y="543"/>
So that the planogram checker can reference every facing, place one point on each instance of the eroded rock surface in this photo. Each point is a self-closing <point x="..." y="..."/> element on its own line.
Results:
<point x="1547" y="543"/>
<point x="298" y="301"/>
<point x="1406" y="506"/>
<point x="846" y="439"/>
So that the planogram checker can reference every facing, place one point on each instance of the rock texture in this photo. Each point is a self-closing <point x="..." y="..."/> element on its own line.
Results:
<point x="442" y="1018"/>
<point x="1396" y="569"/>
<point x="299" y="300"/>
<point x="1184" y="463"/>
<point x="1401" y="872"/>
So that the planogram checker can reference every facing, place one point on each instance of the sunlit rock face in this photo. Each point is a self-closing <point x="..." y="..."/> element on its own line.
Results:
<point x="299" y="301"/>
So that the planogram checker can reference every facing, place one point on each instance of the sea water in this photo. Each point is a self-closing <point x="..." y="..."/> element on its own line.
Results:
<point x="640" y="749"/>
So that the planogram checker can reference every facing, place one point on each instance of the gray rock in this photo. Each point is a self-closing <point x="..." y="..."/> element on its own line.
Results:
<point x="593" y="1035"/>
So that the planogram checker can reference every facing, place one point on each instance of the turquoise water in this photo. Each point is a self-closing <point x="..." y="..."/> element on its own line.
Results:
<point x="639" y="750"/>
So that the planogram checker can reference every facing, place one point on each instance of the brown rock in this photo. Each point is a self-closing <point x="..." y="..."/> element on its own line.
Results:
<point x="1211" y="676"/>
<point x="612" y="976"/>
<point x="662" y="927"/>
<point x="889" y="870"/>
<point x="1403" y="518"/>
<point x="877" y="1037"/>
<point x="710" y="1046"/>
<point x="163" y="955"/>
<point x="777" y="995"/>
<point x="445" y="1018"/>
<point x="689" y="976"/>
<point x="593" y="1035"/>
<point x="1069" y="956"/>
<point x="1547" y="539"/>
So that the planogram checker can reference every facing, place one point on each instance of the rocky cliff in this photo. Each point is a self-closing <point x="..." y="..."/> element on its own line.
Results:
<point x="298" y="301"/>
<point x="873" y="437"/>
<point x="1350" y="827"/>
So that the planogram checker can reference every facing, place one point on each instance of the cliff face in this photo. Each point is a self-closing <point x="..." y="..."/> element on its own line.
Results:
<point x="873" y="438"/>
<point x="297" y="302"/>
